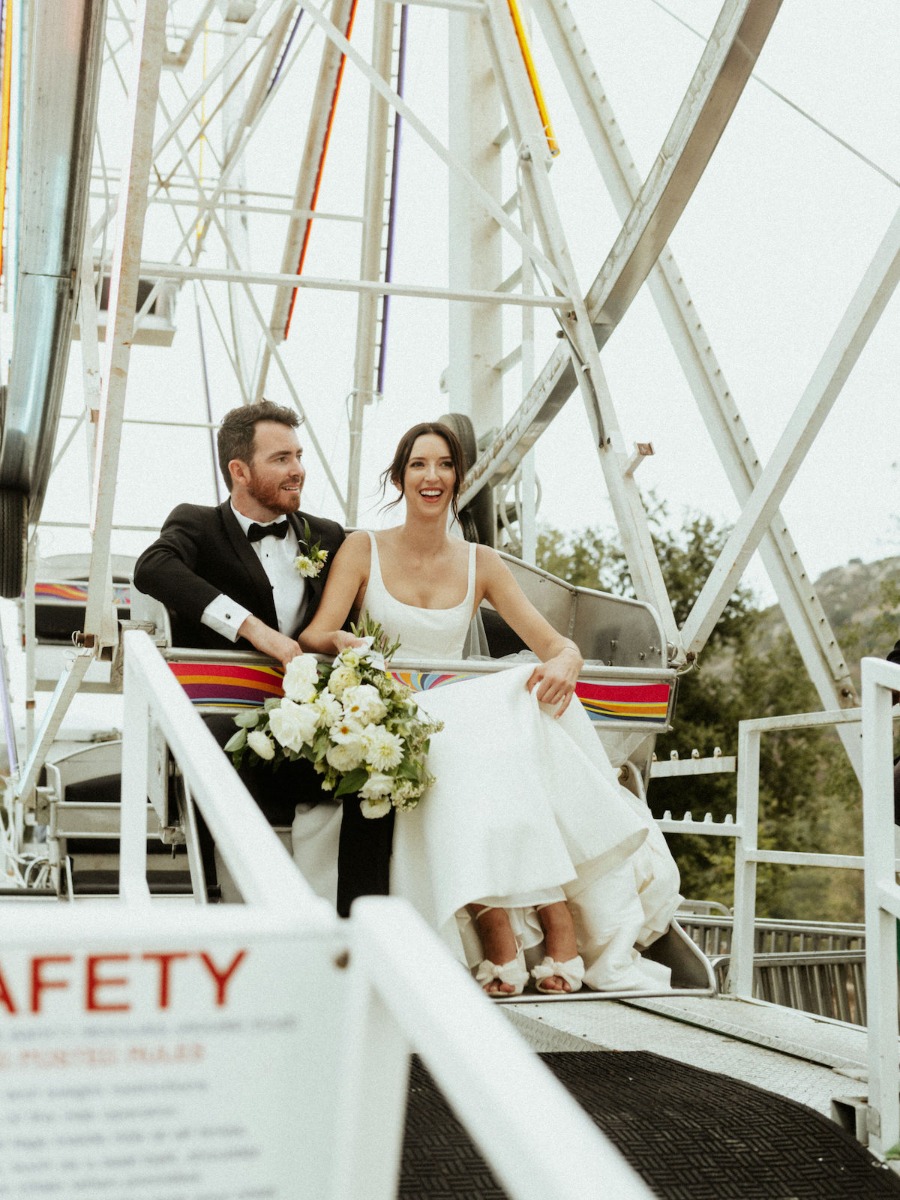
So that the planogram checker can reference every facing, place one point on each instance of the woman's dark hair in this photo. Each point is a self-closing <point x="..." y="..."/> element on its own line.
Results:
<point x="237" y="432"/>
<point x="403" y="453"/>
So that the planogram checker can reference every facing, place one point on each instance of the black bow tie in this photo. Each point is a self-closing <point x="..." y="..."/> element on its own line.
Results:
<point x="256" y="533"/>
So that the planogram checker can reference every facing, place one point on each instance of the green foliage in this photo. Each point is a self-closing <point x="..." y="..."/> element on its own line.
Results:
<point x="809" y="797"/>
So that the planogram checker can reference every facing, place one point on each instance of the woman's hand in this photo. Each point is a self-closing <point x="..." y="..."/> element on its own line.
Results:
<point x="555" y="679"/>
<point x="344" y="640"/>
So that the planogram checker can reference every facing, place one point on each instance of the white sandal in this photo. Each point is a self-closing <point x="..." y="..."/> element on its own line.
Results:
<point x="571" y="972"/>
<point x="514" y="973"/>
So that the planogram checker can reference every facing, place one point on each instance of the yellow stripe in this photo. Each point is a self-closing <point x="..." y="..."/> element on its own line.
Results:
<point x="552" y="144"/>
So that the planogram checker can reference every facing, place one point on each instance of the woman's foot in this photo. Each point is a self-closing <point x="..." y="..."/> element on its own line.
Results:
<point x="502" y="971"/>
<point x="562" y="950"/>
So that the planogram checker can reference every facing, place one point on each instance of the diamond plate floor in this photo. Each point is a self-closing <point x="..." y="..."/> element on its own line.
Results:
<point x="692" y="1135"/>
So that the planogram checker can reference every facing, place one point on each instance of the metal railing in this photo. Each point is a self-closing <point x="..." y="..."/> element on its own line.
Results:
<point x="879" y="679"/>
<point x="748" y="854"/>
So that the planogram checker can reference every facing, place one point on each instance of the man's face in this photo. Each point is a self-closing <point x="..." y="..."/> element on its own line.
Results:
<point x="271" y="483"/>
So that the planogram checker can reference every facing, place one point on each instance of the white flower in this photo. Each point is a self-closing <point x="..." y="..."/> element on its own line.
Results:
<point x="345" y="756"/>
<point x="294" y="725"/>
<point x="344" y="731"/>
<point x="330" y="711"/>
<point x="342" y="677"/>
<point x="375" y="808"/>
<point x="307" y="568"/>
<point x="300" y="678"/>
<point x="384" y="750"/>
<point x="377" y="786"/>
<point x="406" y="794"/>
<point x="363" y="704"/>
<point x="262" y="744"/>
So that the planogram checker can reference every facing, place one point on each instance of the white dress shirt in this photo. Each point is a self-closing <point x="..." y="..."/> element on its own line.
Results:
<point x="277" y="555"/>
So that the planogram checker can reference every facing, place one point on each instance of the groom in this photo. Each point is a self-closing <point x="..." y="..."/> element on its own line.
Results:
<point x="227" y="575"/>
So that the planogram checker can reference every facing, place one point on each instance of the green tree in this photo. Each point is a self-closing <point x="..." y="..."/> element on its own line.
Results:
<point x="808" y="794"/>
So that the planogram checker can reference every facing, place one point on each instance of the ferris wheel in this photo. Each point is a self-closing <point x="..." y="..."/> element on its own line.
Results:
<point x="324" y="202"/>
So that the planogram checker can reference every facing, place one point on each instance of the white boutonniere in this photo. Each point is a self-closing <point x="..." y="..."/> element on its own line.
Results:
<point x="313" y="558"/>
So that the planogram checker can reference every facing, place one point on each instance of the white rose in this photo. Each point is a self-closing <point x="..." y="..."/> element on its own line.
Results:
<point x="300" y="678"/>
<point x="384" y="750"/>
<point x="363" y="704"/>
<point x="342" y="677"/>
<point x="374" y="808"/>
<point x="377" y="786"/>
<point x="262" y="744"/>
<point x="346" y="756"/>
<point x="294" y="725"/>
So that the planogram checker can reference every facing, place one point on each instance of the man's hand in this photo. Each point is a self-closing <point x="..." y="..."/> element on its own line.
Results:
<point x="269" y="641"/>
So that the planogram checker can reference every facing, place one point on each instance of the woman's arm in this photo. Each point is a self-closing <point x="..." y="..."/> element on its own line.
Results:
<point x="346" y="583"/>
<point x="561" y="660"/>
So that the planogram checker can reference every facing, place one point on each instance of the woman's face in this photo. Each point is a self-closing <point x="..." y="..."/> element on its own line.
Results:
<point x="429" y="479"/>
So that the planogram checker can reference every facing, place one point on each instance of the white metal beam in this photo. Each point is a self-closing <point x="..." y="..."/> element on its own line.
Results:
<point x="370" y="252"/>
<point x="434" y="143"/>
<point x="147" y="52"/>
<point x="711" y="96"/>
<point x="375" y="286"/>
<point x="533" y="155"/>
<point x="313" y="149"/>
<point x="801" y="606"/>
<point x="841" y="354"/>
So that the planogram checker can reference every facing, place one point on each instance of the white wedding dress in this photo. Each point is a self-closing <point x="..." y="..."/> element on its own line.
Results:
<point x="526" y="810"/>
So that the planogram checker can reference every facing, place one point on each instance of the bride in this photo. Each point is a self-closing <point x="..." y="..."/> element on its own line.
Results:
<point x="526" y="850"/>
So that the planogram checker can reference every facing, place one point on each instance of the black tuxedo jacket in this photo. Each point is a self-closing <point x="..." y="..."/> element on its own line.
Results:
<point x="202" y="552"/>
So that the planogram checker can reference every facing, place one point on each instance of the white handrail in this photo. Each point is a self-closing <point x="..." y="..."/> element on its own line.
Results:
<point x="747" y="853"/>
<point x="533" y="1135"/>
<point x="405" y="991"/>
<point x="879" y="679"/>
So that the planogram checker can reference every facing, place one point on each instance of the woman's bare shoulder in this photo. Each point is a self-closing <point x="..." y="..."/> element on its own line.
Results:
<point x="355" y="547"/>
<point x="488" y="561"/>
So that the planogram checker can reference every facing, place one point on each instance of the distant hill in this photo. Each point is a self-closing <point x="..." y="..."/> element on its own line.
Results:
<point x="862" y="602"/>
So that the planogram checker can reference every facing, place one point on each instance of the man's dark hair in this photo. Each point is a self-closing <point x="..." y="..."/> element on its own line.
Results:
<point x="237" y="432"/>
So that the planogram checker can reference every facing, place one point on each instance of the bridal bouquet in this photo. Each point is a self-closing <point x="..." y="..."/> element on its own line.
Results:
<point x="360" y="728"/>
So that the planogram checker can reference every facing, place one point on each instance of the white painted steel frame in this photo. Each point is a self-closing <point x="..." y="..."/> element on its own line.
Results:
<point x="879" y="679"/>
<point x="533" y="160"/>
<point x="847" y="343"/>
<point x="711" y="96"/>
<point x="800" y="604"/>
<point x="370" y="264"/>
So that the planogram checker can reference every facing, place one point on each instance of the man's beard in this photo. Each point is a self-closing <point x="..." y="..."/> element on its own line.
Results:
<point x="272" y="497"/>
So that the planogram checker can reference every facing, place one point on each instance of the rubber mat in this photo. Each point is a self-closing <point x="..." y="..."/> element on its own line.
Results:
<point x="691" y="1134"/>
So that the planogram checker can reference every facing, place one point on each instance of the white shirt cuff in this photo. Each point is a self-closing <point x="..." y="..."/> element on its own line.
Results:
<point x="225" y="617"/>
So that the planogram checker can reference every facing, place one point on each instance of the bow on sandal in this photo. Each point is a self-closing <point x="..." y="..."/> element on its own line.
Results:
<point x="571" y="972"/>
<point x="514" y="973"/>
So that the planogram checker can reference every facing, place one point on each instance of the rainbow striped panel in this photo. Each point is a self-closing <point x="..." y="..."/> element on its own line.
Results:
<point x="222" y="685"/>
<point x="76" y="593"/>
<point x="225" y="686"/>
<point x="423" y="681"/>
<point x="643" y="703"/>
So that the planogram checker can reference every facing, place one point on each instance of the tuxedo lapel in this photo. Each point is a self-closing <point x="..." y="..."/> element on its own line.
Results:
<point x="250" y="564"/>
